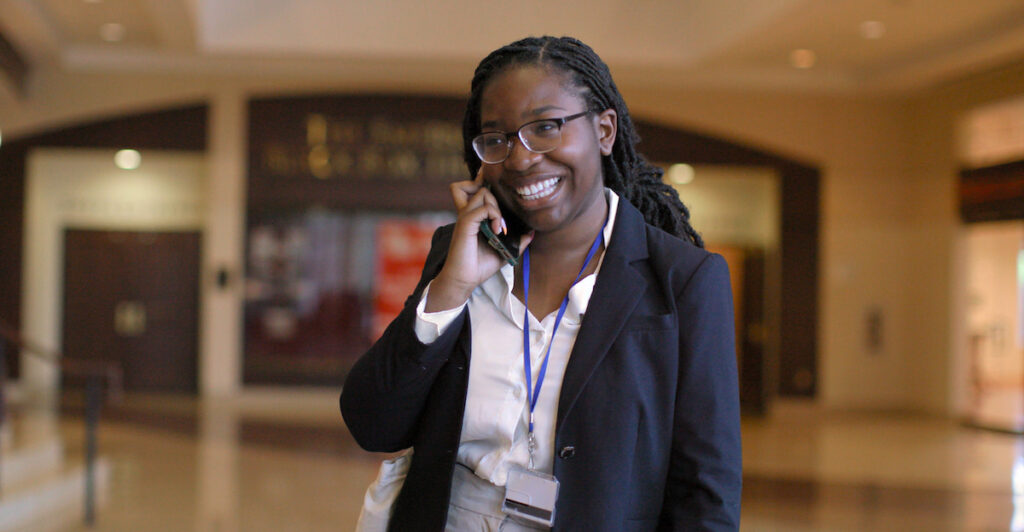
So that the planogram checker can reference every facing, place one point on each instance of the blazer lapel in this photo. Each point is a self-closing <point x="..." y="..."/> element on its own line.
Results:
<point x="617" y="291"/>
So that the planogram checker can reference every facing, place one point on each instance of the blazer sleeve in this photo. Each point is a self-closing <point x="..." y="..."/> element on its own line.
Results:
<point x="705" y="470"/>
<point x="386" y="389"/>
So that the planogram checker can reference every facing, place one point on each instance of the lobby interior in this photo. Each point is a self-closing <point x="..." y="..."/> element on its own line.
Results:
<point x="859" y="163"/>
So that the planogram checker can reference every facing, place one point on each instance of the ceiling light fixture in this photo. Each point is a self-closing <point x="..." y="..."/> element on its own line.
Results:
<point x="872" y="29"/>
<point x="803" y="58"/>
<point x="127" y="159"/>
<point x="112" y="32"/>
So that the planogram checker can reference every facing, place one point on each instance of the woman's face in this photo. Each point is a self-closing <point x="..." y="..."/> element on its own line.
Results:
<point x="549" y="191"/>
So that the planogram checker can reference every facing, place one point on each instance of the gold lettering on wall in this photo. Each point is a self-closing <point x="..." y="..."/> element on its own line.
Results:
<point x="446" y="164"/>
<point x="371" y="161"/>
<point x="316" y="129"/>
<point x="378" y="148"/>
<point x="442" y="136"/>
<point x="345" y="132"/>
<point x="342" y="162"/>
<point x="404" y="164"/>
<point x="320" y="161"/>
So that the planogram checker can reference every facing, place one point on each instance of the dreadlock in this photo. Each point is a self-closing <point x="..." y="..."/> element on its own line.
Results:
<point x="625" y="170"/>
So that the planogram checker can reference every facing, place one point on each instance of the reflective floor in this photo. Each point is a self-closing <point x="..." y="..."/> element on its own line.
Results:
<point x="272" y="463"/>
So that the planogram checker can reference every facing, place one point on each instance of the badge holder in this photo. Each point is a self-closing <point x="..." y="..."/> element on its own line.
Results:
<point x="531" y="495"/>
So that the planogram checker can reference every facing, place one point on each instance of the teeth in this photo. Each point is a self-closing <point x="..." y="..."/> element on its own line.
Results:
<point x="538" y="190"/>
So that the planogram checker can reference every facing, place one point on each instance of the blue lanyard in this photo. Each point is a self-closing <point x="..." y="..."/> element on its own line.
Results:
<point x="532" y="398"/>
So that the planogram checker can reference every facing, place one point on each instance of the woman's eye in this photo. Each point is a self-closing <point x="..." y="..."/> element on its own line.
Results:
<point x="492" y="141"/>
<point x="543" y="129"/>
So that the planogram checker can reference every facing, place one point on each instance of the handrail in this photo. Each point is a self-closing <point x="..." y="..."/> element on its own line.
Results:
<point x="11" y="335"/>
<point x="95" y="372"/>
<point x="111" y="372"/>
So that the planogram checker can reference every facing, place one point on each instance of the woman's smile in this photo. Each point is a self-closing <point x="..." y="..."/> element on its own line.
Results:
<point x="538" y="190"/>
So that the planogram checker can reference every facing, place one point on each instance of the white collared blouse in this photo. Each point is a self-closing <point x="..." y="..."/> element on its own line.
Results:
<point x="494" y="426"/>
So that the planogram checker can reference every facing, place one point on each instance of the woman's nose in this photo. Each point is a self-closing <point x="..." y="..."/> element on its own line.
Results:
<point x="520" y="158"/>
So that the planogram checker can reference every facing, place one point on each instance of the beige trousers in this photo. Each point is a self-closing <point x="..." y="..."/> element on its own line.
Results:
<point x="476" y="506"/>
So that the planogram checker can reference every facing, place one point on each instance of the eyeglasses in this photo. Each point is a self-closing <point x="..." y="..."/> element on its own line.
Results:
<point x="539" y="136"/>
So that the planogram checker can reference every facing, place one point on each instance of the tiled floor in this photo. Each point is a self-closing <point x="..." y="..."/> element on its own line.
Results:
<point x="273" y="463"/>
<point x="864" y="472"/>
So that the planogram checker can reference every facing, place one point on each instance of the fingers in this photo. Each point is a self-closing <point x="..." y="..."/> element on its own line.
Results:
<point x="494" y="212"/>
<point x="469" y="260"/>
<point x="463" y="190"/>
<point x="482" y="206"/>
<point x="476" y="203"/>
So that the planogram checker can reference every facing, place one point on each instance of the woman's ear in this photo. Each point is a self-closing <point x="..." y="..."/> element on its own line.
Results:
<point x="607" y="127"/>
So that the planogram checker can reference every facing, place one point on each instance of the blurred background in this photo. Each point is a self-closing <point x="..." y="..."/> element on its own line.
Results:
<point x="210" y="208"/>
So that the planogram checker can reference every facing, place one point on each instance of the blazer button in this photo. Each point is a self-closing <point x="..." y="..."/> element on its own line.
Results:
<point x="567" y="452"/>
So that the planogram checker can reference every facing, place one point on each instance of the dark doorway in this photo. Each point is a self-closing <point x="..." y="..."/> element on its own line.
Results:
<point x="132" y="298"/>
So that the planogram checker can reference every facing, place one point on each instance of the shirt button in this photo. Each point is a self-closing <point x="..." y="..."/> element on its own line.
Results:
<point x="567" y="452"/>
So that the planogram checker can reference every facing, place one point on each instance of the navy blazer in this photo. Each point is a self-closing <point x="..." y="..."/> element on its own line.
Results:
<point x="647" y="435"/>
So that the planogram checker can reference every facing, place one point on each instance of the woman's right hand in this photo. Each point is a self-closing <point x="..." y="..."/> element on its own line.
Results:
<point x="470" y="261"/>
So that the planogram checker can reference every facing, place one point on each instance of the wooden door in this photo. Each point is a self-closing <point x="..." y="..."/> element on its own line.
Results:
<point x="132" y="298"/>
<point x="746" y="275"/>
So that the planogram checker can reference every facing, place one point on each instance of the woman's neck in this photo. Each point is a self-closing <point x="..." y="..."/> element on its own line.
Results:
<point x="571" y="241"/>
<point x="555" y="261"/>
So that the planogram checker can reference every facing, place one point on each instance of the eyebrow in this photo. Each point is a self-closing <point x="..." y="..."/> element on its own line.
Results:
<point x="527" y="115"/>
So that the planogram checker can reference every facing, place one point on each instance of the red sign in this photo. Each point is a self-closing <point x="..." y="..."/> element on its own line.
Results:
<point x="402" y="248"/>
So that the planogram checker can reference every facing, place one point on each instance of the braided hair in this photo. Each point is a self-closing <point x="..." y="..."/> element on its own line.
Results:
<point x="625" y="170"/>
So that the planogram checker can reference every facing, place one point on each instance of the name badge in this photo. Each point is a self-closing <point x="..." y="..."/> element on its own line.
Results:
<point x="531" y="495"/>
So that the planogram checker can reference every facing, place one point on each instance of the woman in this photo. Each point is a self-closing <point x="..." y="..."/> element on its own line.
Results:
<point x="618" y="385"/>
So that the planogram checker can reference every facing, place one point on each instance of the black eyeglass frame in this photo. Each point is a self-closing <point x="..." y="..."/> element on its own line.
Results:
<point x="519" y="133"/>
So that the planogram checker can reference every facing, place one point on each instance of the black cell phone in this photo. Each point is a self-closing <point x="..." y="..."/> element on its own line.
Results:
<point x="506" y="245"/>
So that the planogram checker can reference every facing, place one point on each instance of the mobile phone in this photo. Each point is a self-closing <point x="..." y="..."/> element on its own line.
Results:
<point x="506" y="245"/>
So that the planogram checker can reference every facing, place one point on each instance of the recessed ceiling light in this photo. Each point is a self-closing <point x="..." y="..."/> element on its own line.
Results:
<point x="802" y="58"/>
<point x="127" y="159"/>
<point x="112" y="32"/>
<point x="872" y="29"/>
<point x="681" y="174"/>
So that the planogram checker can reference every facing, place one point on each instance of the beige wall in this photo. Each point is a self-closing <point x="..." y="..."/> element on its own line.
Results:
<point x="888" y="228"/>
<point x="855" y="143"/>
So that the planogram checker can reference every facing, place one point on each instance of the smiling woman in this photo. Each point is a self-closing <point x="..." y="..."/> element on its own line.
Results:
<point x="596" y="388"/>
<point x="558" y="191"/>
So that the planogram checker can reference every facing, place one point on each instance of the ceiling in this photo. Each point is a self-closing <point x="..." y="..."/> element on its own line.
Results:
<point x="859" y="46"/>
